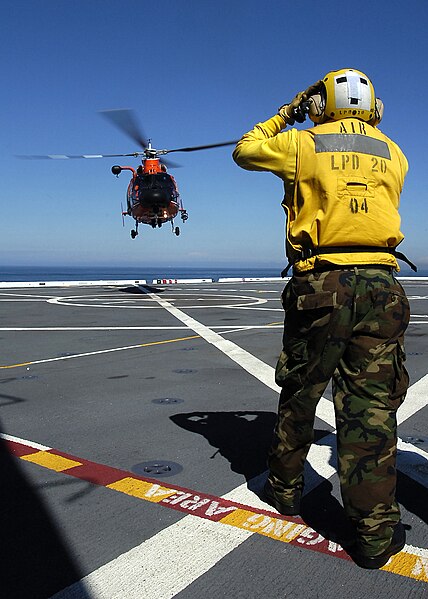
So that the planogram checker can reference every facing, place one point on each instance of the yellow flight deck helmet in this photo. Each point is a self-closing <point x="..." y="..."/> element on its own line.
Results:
<point x="346" y="93"/>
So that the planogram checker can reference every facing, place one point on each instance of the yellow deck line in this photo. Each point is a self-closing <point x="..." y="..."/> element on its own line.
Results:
<point x="102" y="351"/>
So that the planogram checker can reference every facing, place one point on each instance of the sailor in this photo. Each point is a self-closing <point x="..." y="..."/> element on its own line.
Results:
<point x="345" y="313"/>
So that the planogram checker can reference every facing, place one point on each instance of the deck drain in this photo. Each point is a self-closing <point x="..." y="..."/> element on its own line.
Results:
<point x="184" y="370"/>
<point x="157" y="468"/>
<point x="29" y="377"/>
<point x="167" y="400"/>
<point x="66" y="355"/>
<point x="188" y="348"/>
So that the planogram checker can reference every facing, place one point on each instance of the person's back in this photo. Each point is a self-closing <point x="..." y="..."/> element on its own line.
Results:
<point x="347" y="191"/>
<point x="345" y="313"/>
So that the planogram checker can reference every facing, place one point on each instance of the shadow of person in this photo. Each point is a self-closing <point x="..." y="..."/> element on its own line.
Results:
<point x="325" y="514"/>
<point x="242" y="438"/>
<point x="412" y="492"/>
<point x="35" y="562"/>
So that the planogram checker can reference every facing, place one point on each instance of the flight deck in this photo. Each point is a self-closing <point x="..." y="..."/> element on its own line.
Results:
<point x="136" y="418"/>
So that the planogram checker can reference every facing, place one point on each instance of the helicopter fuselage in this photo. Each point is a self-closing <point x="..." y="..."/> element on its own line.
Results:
<point x="152" y="197"/>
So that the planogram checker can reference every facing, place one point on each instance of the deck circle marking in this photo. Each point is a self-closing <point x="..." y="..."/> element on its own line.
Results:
<point x="79" y="301"/>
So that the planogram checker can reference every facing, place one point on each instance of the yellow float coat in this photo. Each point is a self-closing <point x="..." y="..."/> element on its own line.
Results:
<point x="342" y="183"/>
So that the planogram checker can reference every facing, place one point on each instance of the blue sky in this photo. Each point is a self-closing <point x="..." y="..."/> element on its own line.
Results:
<point x="195" y="72"/>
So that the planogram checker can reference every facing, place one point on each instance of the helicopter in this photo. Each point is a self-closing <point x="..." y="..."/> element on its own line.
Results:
<point x="152" y="196"/>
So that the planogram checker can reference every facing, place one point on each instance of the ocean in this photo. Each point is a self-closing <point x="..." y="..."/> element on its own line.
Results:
<point x="105" y="273"/>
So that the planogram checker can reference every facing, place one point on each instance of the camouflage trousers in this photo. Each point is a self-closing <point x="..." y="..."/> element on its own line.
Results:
<point x="348" y="326"/>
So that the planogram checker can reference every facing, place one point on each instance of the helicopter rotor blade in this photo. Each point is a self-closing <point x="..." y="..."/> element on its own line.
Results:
<point x="207" y="147"/>
<point x="69" y="157"/>
<point x="126" y="121"/>
<point x="167" y="163"/>
<point x="170" y="164"/>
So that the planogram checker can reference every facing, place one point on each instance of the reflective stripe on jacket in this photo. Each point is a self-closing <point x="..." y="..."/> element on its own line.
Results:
<point x="342" y="183"/>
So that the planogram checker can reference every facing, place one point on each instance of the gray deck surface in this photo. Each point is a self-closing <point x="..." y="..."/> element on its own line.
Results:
<point x="122" y="376"/>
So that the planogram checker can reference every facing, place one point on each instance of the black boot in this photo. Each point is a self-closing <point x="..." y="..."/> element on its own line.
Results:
<point x="375" y="562"/>
<point x="286" y="509"/>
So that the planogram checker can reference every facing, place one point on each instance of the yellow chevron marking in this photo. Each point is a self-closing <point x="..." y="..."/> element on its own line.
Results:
<point x="141" y="489"/>
<point x="51" y="461"/>
<point x="281" y="530"/>
<point x="409" y="565"/>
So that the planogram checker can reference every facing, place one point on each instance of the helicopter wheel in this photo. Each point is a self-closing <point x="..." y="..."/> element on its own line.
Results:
<point x="134" y="234"/>
<point x="177" y="230"/>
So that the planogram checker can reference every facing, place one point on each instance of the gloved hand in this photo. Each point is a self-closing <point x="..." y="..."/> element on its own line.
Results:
<point x="286" y="110"/>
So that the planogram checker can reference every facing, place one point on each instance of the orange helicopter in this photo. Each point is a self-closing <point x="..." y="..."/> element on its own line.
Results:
<point x="152" y="197"/>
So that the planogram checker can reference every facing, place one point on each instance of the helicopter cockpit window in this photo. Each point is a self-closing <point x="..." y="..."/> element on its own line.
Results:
<point x="153" y="181"/>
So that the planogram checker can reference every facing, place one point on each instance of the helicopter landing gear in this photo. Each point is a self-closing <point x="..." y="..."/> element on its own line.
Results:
<point x="134" y="232"/>
<point x="184" y="215"/>
<point x="177" y="230"/>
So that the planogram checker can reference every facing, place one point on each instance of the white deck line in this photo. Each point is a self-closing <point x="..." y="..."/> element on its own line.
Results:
<point x="254" y="366"/>
<point x="416" y="399"/>
<point x="163" y="565"/>
<point x="25" y="442"/>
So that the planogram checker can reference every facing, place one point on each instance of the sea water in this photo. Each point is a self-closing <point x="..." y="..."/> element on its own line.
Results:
<point x="103" y="273"/>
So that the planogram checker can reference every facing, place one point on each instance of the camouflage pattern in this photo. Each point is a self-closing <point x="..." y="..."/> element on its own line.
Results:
<point x="347" y="325"/>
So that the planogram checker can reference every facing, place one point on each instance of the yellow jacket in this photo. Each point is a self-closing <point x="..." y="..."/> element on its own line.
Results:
<point x="342" y="183"/>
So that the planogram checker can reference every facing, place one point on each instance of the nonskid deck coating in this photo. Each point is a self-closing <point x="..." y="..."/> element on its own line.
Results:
<point x="75" y="352"/>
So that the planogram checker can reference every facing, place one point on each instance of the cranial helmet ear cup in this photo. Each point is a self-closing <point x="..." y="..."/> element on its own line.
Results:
<point x="377" y="117"/>
<point x="316" y="108"/>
